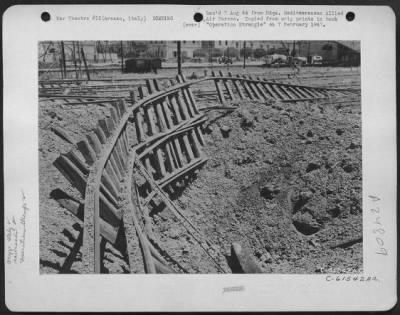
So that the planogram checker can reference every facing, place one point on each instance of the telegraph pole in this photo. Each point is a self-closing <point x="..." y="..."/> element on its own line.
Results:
<point x="227" y="56"/>
<point x="74" y="57"/>
<point x="244" y="55"/>
<point x="122" y="58"/>
<point x="63" y="59"/>
<point x="179" y="57"/>
<point x="84" y="61"/>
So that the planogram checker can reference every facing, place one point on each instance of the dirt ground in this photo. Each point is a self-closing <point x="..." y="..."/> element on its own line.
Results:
<point x="283" y="179"/>
<point x="285" y="183"/>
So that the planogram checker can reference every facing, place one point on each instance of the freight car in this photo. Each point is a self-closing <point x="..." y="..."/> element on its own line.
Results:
<point x="141" y="65"/>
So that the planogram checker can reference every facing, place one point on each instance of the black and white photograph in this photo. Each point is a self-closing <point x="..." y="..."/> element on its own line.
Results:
<point x="200" y="157"/>
<point x="179" y="158"/>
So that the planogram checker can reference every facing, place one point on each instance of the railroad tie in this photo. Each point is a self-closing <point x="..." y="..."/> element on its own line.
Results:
<point x="189" y="102"/>
<point x="166" y="106"/>
<point x="109" y="179"/>
<point x="107" y="231"/>
<point x="196" y="234"/>
<point x="100" y="133"/>
<point x="177" y="146"/>
<point x="321" y="93"/>
<point x="185" y="95"/>
<point x="219" y="90"/>
<point x="109" y="212"/>
<point x="186" y="98"/>
<point x="159" y="155"/>
<point x="174" y="107"/>
<point x="236" y="84"/>
<point x="111" y="165"/>
<point x="150" y="117"/>
<point x="160" y="117"/>
<point x="132" y="226"/>
<point x="191" y="97"/>
<point x="124" y="145"/>
<point x="310" y="92"/>
<point x="244" y="259"/>
<point x="185" y="115"/>
<point x="163" y="127"/>
<point x="96" y="146"/>
<point x="132" y="97"/>
<point x="261" y="89"/>
<point x="110" y="124"/>
<point x="70" y="170"/>
<point x="172" y="156"/>
<point x="245" y="87"/>
<point x="269" y="89"/>
<point x="301" y="92"/>
<point x="290" y="95"/>
<point x="94" y="142"/>
<point x="145" y="121"/>
<point x="227" y="86"/>
<point x="110" y="173"/>
<point x="138" y="116"/>
<point x="118" y="152"/>
<point x="278" y="91"/>
<point x="123" y="109"/>
<point x="77" y="161"/>
<point x="114" y="114"/>
<point x="117" y="159"/>
<point x="315" y="93"/>
<point x="295" y="92"/>
<point x="62" y="134"/>
<point x="253" y="87"/>
<point x="87" y="151"/>
<point x="181" y="103"/>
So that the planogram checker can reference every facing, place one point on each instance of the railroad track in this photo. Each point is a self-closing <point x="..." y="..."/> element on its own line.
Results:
<point x="227" y="87"/>
<point x="149" y="148"/>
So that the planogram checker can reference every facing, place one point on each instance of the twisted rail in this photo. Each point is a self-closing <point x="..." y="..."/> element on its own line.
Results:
<point x="169" y="144"/>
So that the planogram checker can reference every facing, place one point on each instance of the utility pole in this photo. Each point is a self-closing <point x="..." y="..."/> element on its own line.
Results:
<point x="63" y="59"/>
<point x="109" y="51"/>
<point x="294" y="48"/>
<point x="227" y="57"/>
<point x="122" y="57"/>
<point x="74" y="58"/>
<point x="61" y="69"/>
<point x="84" y="61"/>
<point x="244" y="54"/>
<point x="179" y="57"/>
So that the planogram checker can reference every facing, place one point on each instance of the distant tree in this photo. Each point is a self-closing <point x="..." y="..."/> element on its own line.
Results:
<point x="232" y="52"/>
<point x="153" y="52"/>
<point x="131" y="54"/>
<point x="249" y="52"/>
<point x="115" y="46"/>
<point x="259" y="53"/>
<point x="216" y="52"/>
<point x="200" y="53"/>
<point x="282" y="51"/>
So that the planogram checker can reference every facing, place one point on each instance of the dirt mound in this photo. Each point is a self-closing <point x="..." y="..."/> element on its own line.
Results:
<point x="283" y="182"/>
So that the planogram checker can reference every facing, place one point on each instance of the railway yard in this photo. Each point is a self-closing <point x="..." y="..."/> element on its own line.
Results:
<point x="218" y="170"/>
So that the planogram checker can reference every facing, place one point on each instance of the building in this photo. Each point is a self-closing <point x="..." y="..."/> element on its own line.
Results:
<point x="332" y="52"/>
<point x="168" y="50"/>
<point x="252" y="44"/>
<point x="350" y="52"/>
<point x="50" y="52"/>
